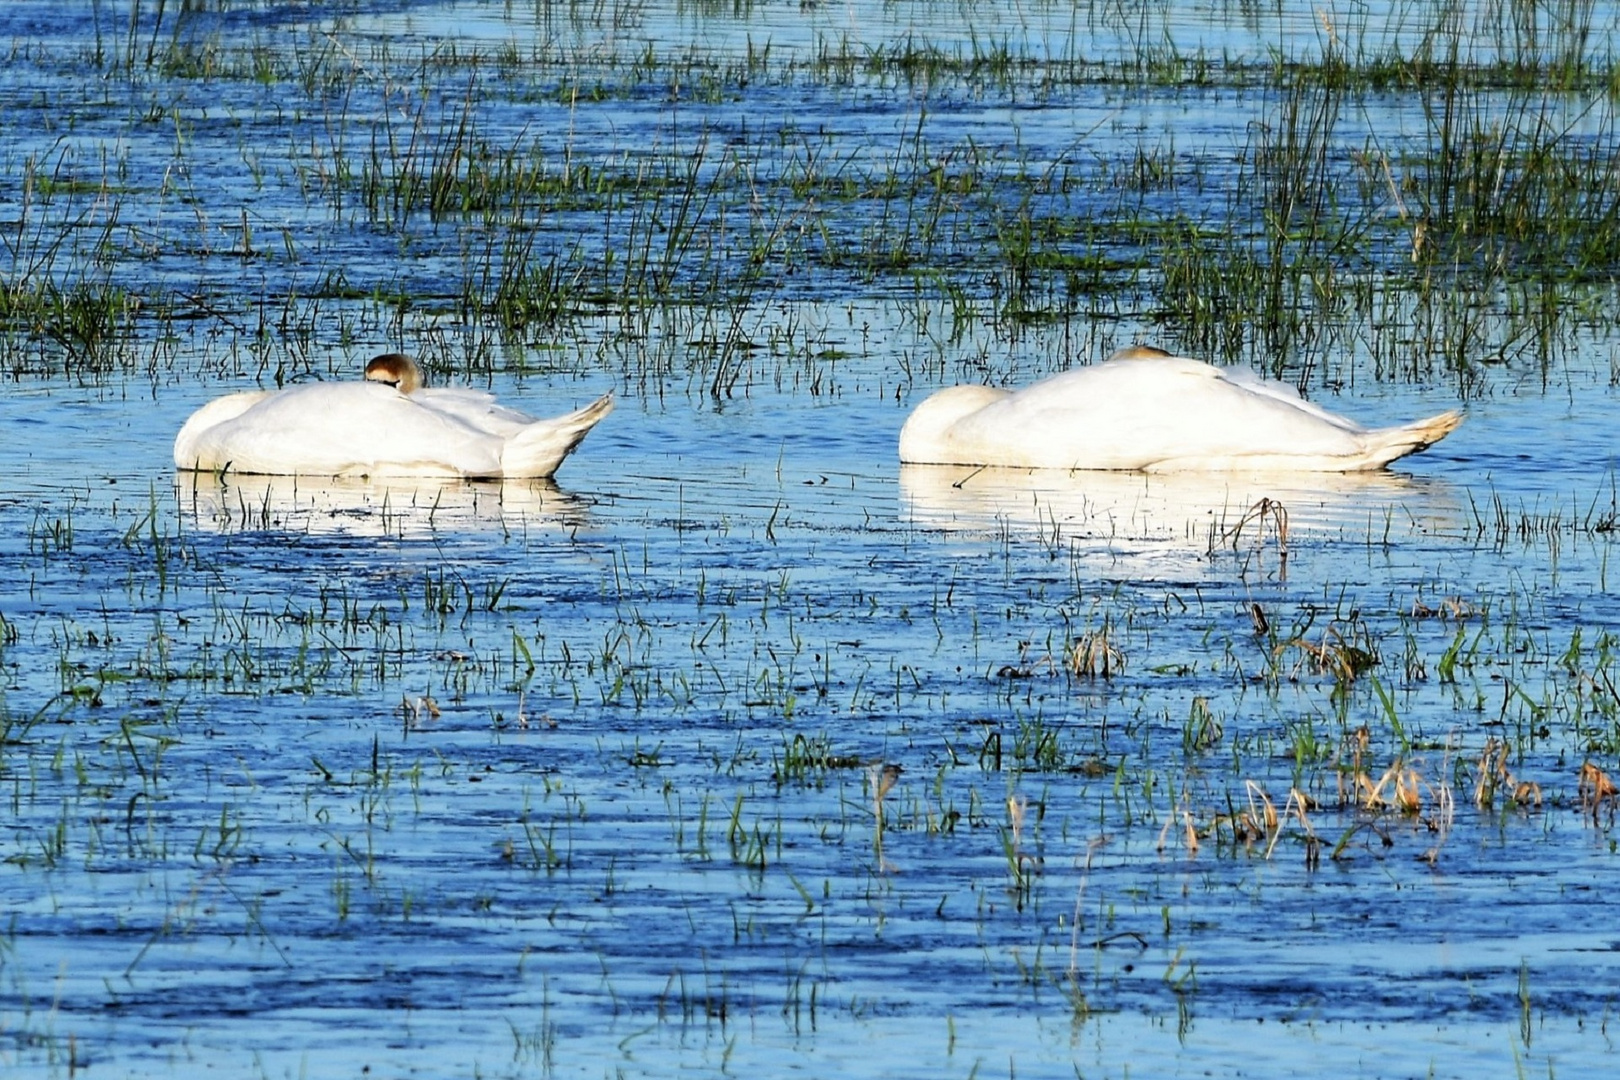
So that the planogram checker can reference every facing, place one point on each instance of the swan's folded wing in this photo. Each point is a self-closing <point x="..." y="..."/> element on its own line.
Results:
<point x="474" y="408"/>
<point x="1142" y="413"/>
<point x="1283" y="392"/>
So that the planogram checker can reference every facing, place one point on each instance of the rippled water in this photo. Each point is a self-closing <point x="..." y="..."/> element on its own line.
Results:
<point x="606" y="858"/>
<point x="521" y="779"/>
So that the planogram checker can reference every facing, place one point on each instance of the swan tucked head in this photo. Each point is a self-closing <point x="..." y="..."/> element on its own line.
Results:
<point x="397" y="370"/>
<point x="925" y="438"/>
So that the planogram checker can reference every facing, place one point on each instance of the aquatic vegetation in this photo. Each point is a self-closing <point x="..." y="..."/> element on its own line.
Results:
<point x="593" y="206"/>
<point x="1094" y="654"/>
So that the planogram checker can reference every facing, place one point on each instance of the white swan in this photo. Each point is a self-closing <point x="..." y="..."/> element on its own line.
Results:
<point x="387" y="425"/>
<point x="1144" y="409"/>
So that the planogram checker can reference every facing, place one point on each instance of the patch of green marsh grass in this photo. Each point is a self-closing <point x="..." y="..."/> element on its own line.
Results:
<point x="59" y="307"/>
<point x="1529" y="181"/>
<point x="807" y="759"/>
<point x="1280" y="247"/>
<point x="80" y="326"/>
<point x="1513" y="198"/>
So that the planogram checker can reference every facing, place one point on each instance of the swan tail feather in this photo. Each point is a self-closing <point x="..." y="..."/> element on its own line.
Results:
<point x="538" y="450"/>
<point x="1388" y="444"/>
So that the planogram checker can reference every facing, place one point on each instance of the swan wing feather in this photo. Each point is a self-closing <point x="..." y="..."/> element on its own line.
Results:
<point x="475" y="408"/>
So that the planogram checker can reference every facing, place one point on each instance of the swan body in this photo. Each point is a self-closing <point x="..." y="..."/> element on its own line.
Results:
<point x="387" y="425"/>
<point x="1146" y="410"/>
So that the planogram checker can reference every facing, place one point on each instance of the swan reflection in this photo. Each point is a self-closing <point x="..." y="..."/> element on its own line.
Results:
<point x="355" y="506"/>
<point x="1178" y="514"/>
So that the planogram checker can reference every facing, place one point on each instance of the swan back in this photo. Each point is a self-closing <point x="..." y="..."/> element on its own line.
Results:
<point x="342" y="429"/>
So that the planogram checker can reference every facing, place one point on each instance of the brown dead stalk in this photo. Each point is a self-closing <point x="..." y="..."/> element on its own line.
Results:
<point x="1094" y="655"/>
<point x="1267" y="511"/>
<point x="1405" y="789"/>
<point x="1262" y="821"/>
<point x="1495" y="778"/>
<point x="1593" y="789"/>
<point x="1182" y="816"/>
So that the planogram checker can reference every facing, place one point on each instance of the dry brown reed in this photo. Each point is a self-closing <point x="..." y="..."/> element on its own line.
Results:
<point x="1495" y="779"/>
<point x="1345" y="656"/>
<point x="1094" y="655"/>
<point x="1180" y="815"/>
<point x="418" y="711"/>
<point x="1399" y="788"/>
<point x="1594" y="790"/>
<point x="1266" y="512"/>
<point x="883" y="777"/>
<point x="1260" y="821"/>
<point x="1023" y="863"/>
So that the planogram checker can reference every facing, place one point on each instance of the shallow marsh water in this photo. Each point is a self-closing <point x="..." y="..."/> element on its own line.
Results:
<point x="582" y="779"/>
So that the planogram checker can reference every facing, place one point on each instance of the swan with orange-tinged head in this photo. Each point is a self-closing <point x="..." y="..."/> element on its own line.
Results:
<point x="386" y="425"/>
<point x="1146" y="410"/>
